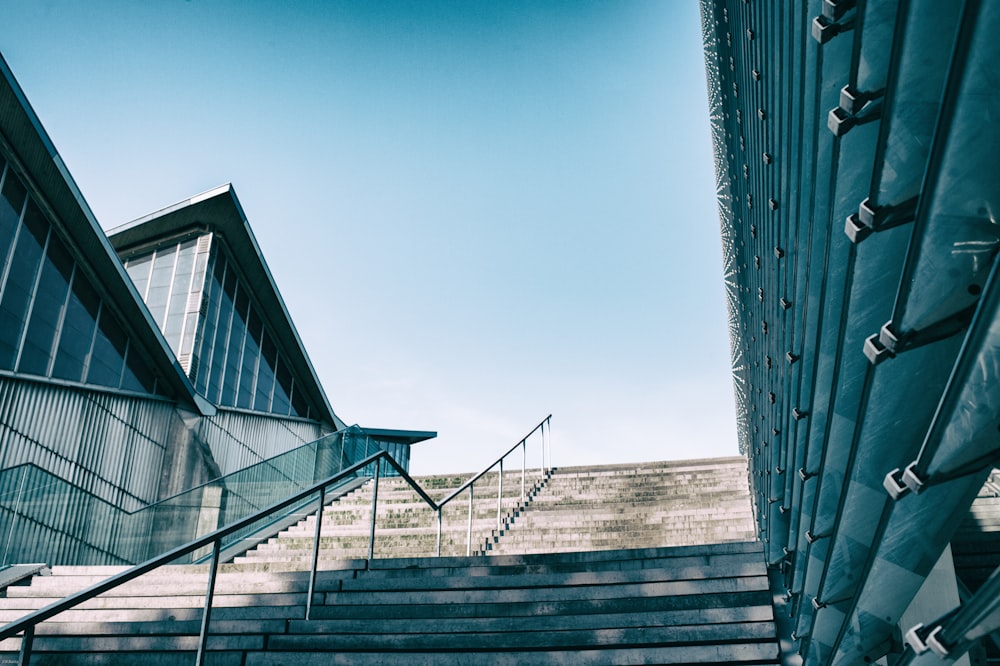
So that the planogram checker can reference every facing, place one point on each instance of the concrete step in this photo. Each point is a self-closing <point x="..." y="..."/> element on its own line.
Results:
<point x="639" y="605"/>
<point x="582" y="599"/>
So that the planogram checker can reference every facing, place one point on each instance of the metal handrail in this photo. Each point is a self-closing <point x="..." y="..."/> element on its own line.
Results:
<point x="28" y="623"/>
<point x="545" y="426"/>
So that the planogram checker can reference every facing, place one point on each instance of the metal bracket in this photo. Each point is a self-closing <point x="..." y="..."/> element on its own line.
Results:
<point x="878" y="218"/>
<point x="799" y="414"/>
<point x="823" y="29"/>
<point x="856" y="108"/>
<point x="888" y="338"/>
<point x="804" y="475"/>
<point x="898" y="342"/>
<point x="856" y="231"/>
<point x="813" y="538"/>
<point x="913" y="639"/>
<point x="893" y="484"/>
<point x="912" y="479"/>
<point x="875" y="351"/>
<point x="835" y="9"/>
<point x="934" y="642"/>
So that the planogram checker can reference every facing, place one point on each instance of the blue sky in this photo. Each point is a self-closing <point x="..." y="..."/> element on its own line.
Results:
<point x="478" y="213"/>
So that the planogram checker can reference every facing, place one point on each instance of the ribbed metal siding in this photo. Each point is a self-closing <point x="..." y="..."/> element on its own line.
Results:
<point x="238" y="439"/>
<point x="109" y="445"/>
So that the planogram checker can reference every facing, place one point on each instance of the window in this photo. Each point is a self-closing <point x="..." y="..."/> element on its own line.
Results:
<point x="53" y="323"/>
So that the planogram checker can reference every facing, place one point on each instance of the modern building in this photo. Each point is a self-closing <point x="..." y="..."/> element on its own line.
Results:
<point x="137" y="366"/>
<point x="153" y="377"/>
<point x="856" y="149"/>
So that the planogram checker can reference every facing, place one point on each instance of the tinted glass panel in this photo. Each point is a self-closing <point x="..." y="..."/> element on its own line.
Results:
<point x="265" y="374"/>
<point x="47" y="309"/>
<point x="180" y="287"/>
<point x="11" y="203"/>
<point x="20" y="282"/>
<point x="234" y="349"/>
<point x="299" y="405"/>
<point x="251" y="352"/>
<point x="282" y="389"/>
<point x="159" y="283"/>
<point x="138" y="269"/>
<point x="109" y="352"/>
<point x="209" y="323"/>
<point x="137" y="375"/>
<point x="222" y="336"/>
<point x="77" y="331"/>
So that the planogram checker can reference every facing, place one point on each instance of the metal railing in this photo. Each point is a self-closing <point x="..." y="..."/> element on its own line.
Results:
<point x="27" y="624"/>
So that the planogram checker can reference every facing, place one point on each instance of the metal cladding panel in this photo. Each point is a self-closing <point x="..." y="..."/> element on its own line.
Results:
<point x="91" y="439"/>
<point x="912" y="105"/>
<point x="836" y="125"/>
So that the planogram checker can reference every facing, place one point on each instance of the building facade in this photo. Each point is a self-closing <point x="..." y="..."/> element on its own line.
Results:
<point x="135" y="366"/>
<point x="855" y="150"/>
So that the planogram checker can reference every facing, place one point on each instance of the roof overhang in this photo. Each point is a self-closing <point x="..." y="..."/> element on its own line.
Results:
<point x="400" y="436"/>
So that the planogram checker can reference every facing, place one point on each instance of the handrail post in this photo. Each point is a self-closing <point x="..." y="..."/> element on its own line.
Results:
<point x="24" y="659"/>
<point x="548" y="429"/>
<point x="541" y="447"/>
<point x="371" y="533"/>
<point x="500" y="497"/>
<point x="468" y="543"/>
<point x="439" y="533"/>
<point x="315" y="555"/>
<point x="209" y="594"/>
<point x="524" y="463"/>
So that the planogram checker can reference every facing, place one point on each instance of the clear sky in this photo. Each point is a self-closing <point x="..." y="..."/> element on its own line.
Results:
<point x="478" y="213"/>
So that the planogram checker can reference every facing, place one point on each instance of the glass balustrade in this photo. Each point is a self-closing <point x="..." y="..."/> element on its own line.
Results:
<point x="46" y="519"/>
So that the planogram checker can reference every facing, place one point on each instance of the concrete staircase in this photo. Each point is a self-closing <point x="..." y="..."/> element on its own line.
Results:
<point x="612" y="602"/>
<point x="405" y="525"/>
<point x="633" y="506"/>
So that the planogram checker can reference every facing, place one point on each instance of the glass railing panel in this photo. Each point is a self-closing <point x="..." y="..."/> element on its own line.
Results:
<point x="225" y="500"/>
<point x="46" y="519"/>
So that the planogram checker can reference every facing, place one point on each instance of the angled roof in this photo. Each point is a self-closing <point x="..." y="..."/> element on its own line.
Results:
<point x="43" y="170"/>
<point x="218" y="210"/>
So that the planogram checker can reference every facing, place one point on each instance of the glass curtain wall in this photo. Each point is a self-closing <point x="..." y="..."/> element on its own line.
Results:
<point x="170" y="281"/>
<point x="208" y="316"/>
<point x="53" y="322"/>
<point x="239" y="361"/>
